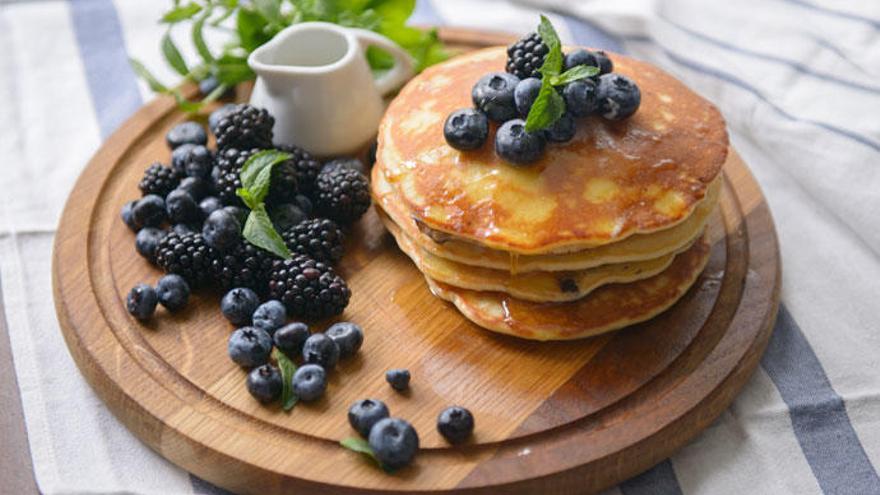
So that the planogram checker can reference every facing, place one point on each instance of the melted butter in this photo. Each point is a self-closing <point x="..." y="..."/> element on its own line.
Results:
<point x="670" y="203"/>
<point x="600" y="190"/>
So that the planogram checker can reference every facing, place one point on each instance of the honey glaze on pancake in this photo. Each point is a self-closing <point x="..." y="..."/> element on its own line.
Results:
<point x="608" y="308"/>
<point x="612" y="180"/>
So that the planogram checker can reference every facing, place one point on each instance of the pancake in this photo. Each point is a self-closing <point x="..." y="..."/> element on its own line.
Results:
<point x="613" y="180"/>
<point x="530" y="286"/>
<point x="608" y="308"/>
<point x="638" y="247"/>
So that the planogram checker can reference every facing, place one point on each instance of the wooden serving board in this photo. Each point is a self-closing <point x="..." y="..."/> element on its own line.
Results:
<point x="570" y="417"/>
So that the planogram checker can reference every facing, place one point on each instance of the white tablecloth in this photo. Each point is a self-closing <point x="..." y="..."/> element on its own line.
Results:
<point x="799" y="84"/>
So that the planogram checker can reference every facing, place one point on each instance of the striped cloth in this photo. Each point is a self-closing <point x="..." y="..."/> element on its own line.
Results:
<point x="799" y="83"/>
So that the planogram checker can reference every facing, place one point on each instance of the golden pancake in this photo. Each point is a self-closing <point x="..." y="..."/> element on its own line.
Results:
<point x="614" y="179"/>
<point x="638" y="247"/>
<point x="608" y="308"/>
<point x="530" y="286"/>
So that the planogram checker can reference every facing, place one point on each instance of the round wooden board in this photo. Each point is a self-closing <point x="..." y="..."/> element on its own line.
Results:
<point x="572" y="417"/>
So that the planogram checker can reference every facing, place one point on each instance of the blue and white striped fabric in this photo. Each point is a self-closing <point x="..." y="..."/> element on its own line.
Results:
<point x="799" y="83"/>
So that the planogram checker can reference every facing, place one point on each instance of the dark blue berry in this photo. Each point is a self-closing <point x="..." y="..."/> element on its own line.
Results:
<point x="466" y="129"/>
<point x="516" y="145"/>
<point x="309" y="382"/>
<point x="187" y="132"/>
<point x="249" y="347"/>
<point x="348" y="336"/>
<point x="238" y="305"/>
<point x="141" y="301"/>
<point x="209" y="84"/>
<point x="605" y="64"/>
<point x="394" y="442"/>
<point x="580" y="57"/>
<point x="196" y="187"/>
<point x="198" y="163"/>
<point x="149" y="211"/>
<point x="218" y="115"/>
<point x="398" y="379"/>
<point x="127" y="215"/>
<point x="265" y="383"/>
<point x="210" y="205"/>
<point x="493" y="94"/>
<point x="291" y="337"/>
<point x="270" y="316"/>
<point x="181" y="207"/>
<point x="173" y="292"/>
<point x="321" y="350"/>
<point x="525" y="94"/>
<point x="455" y="424"/>
<point x="345" y="162"/>
<point x="180" y="155"/>
<point x="147" y="241"/>
<point x="581" y="97"/>
<point x="184" y="229"/>
<point x="238" y="212"/>
<point x="363" y="414"/>
<point x="304" y="203"/>
<point x="221" y="230"/>
<point x="562" y="131"/>
<point x="286" y="215"/>
<point x="619" y="97"/>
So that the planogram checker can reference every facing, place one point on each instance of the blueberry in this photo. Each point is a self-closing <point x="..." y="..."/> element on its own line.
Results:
<point x="181" y="207"/>
<point x="581" y="97"/>
<point x="291" y="337"/>
<point x="394" y="441"/>
<point x="562" y="131"/>
<point x="516" y="145"/>
<point x="580" y="57"/>
<point x="304" y="203"/>
<point x="196" y="187"/>
<point x="605" y="64"/>
<point x="493" y="94"/>
<point x="619" y="97"/>
<point x="209" y="84"/>
<point x="210" y="205"/>
<point x="146" y="242"/>
<point x="238" y="212"/>
<point x="250" y="347"/>
<point x="270" y="316"/>
<point x="285" y="216"/>
<point x="127" y="215"/>
<point x="173" y="292"/>
<point x="198" y="162"/>
<point x="149" y="211"/>
<point x="345" y="162"/>
<point x="221" y="230"/>
<point x="321" y="350"/>
<point x="217" y="115"/>
<point x="264" y="383"/>
<point x="525" y="94"/>
<point x="187" y="132"/>
<point x="363" y="414"/>
<point x="309" y="382"/>
<point x="180" y="155"/>
<point x="347" y="336"/>
<point x="141" y="301"/>
<point x="398" y="379"/>
<point x="455" y="424"/>
<point x="184" y="229"/>
<point x="238" y="305"/>
<point x="466" y="129"/>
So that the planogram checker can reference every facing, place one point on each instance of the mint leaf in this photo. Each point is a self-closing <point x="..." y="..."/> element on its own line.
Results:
<point x="547" y="109"/>
<point x="288" y="398"/>
<point x="574" y="74"/>
<point x="256" y="173"/>
<point x="181" y="13"/>
<point x="172" y="55"/>
<point x="553" y="61"/>
<point x="260" y="232"/>
<point x="147" y="76"/>
<point x="251" y="28"/>
<point x="198" y="39"/>
<point x="270" y="10"/>
<point x="361" y="446"/>
<point x="548" y="33"/>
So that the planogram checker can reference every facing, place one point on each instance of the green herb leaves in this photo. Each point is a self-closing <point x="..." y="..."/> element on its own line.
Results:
<point x="288" y="398"/>
<point x="361" y="446"/>
<point x="549" y="106"/>
<point x="256" y="177"/>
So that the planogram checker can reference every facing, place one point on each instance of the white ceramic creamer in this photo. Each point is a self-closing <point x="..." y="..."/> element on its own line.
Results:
<point x="315" y="80"/>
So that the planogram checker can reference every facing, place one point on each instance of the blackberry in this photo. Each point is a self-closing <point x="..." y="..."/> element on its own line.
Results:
<point x="308" y="288"/>
<point x="307" y="167"/>
<point x="245" y="265"/>
<point x="244" y="127"/>
<point x="342" y="194"/>
<point x="186" y="255"/>
<point x="159" y="180"/>
<point x="526" y="56"/>
<point x="283" y="186"/>
<point x="319" y="238"/>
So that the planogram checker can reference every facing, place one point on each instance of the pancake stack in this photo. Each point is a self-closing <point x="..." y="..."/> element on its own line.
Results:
<point x="602" y="232"/>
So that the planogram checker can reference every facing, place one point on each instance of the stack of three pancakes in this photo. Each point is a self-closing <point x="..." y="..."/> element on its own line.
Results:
<point x="604" y="231"/>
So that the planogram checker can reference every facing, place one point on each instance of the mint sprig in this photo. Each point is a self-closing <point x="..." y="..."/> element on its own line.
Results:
<point x="549" y="106"/>
<point x="288" y="398"/>
<point x="361" y="446"/>
<point x="256" y="177"/>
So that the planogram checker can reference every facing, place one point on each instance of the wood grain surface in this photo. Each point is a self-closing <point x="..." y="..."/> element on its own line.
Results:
<point x="570" y="417"/>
